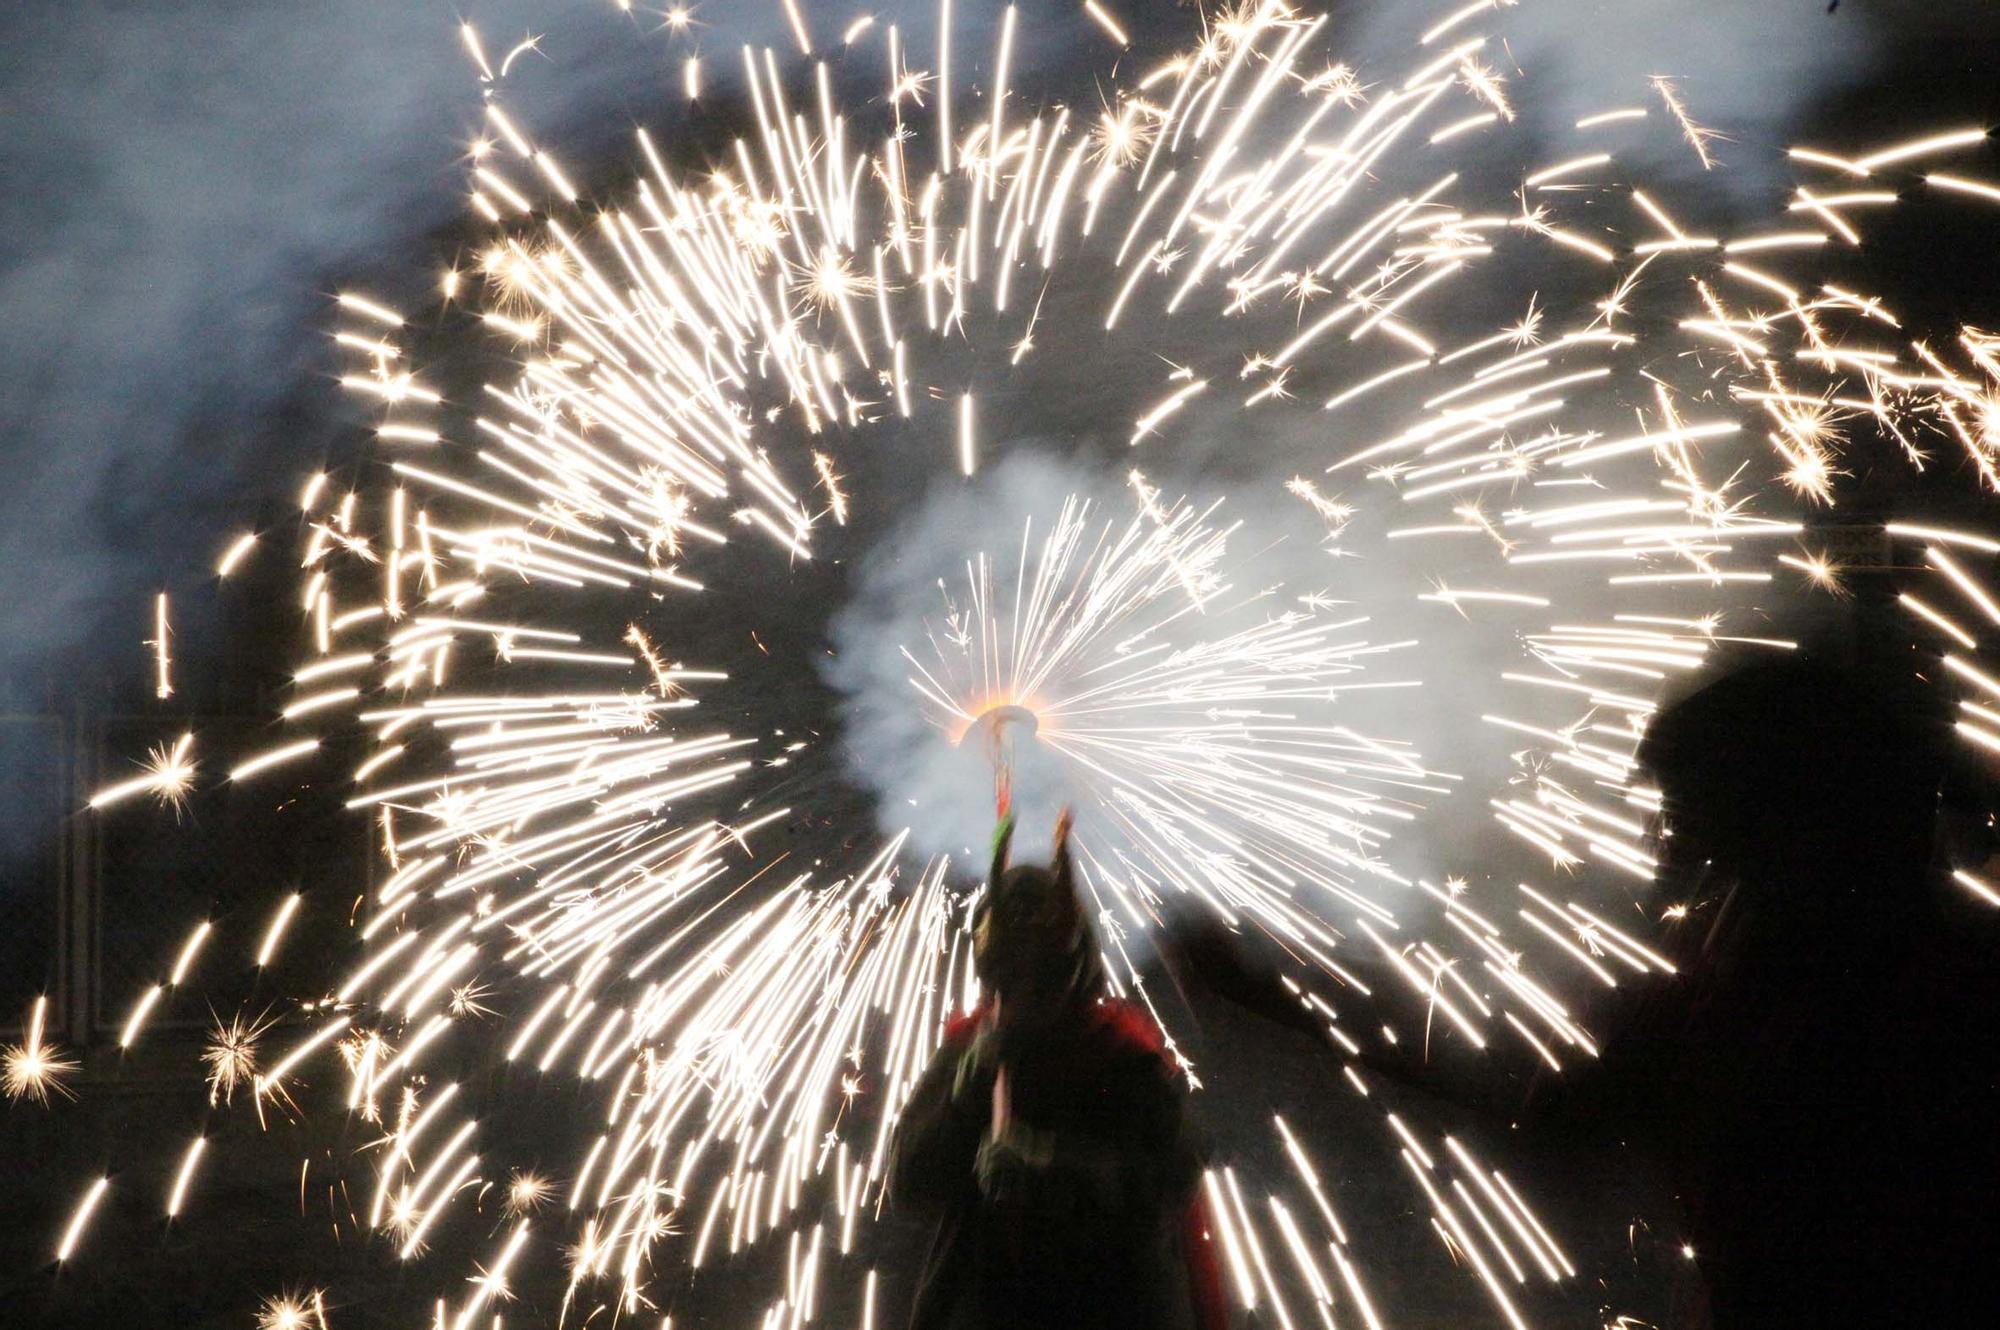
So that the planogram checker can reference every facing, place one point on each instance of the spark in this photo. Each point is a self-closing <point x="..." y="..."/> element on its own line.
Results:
<point x="168" y="775"/>
<point x="1488" y="86"/>
<point x="1944" y="535"/>
<point x="189" y="950"/>
<point x="833" y="281"/>
<point x="177" y="1197"/>
<point x="1939" y="621"/>
<point x="1527" y="332"/>
<point x="1105" y="21"/>
<point x="1978" y="887"/>
<point x="81" y="1219"/>
<point x="367" y="309"/>
<point x="231" y="1057"/>
<point x="1612" y="117"/>
<point x="140" y="1009"/>
<point x="1819" y="570"/>
<point x="466" y="1002"/>
<point x="1698" y="137"/>
<point x="1960" y="185"/>
<point x="532" y="43"/>
<point x="527" y="1192"/>
<point x="664" y="681"/>
<point x="1147" y="423"/>
<point x="1336" y="512"/>
<point x="1568" y="168"/>
<point x="234" y="555"/>
<point x="163" y="681"/>
<point x="276" y="757"/>
<point x="34" y="1068"/>
<point x="798" y="22"/>
<point x="1922" y="147"/>
<point x="1966" y="585"/>
<point x="829" y="480"/>
<point x="292" y="1311"/>
<point x="406" y="434"/>
<point x="276" y="931"/>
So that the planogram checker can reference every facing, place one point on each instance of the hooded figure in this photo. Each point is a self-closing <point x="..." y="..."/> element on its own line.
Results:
<point x="1824" y="1067"/>
<point x="1050" y="1131"/>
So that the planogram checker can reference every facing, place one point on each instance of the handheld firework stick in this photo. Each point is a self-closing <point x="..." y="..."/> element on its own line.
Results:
<point x="1001" y="729"/>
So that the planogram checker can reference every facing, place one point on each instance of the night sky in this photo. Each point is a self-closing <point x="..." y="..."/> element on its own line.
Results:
<point x="189" y="184"/>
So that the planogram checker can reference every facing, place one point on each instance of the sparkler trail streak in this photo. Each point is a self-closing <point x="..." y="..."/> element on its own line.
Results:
<point x="696" y="366"/>
<point x="81" y="1220"/>
<point x="234" y="555"/>
<point x="163" y="686"/>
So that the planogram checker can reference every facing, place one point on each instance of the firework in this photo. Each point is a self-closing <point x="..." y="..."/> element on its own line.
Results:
<point x="568" y="834"/>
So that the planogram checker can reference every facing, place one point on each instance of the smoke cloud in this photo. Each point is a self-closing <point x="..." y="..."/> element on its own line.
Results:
<point x="942" y="791"/>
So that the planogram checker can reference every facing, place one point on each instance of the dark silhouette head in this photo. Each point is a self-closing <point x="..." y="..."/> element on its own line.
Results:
<point x="1032" y="943"/>
<point x="1799" y="770"/>
<point x="1801" y="798"/>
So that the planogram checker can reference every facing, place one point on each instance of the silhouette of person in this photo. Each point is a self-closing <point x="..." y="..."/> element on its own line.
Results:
<point x="1823" y="1068"/>
<point x="1050" y="1134"/>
